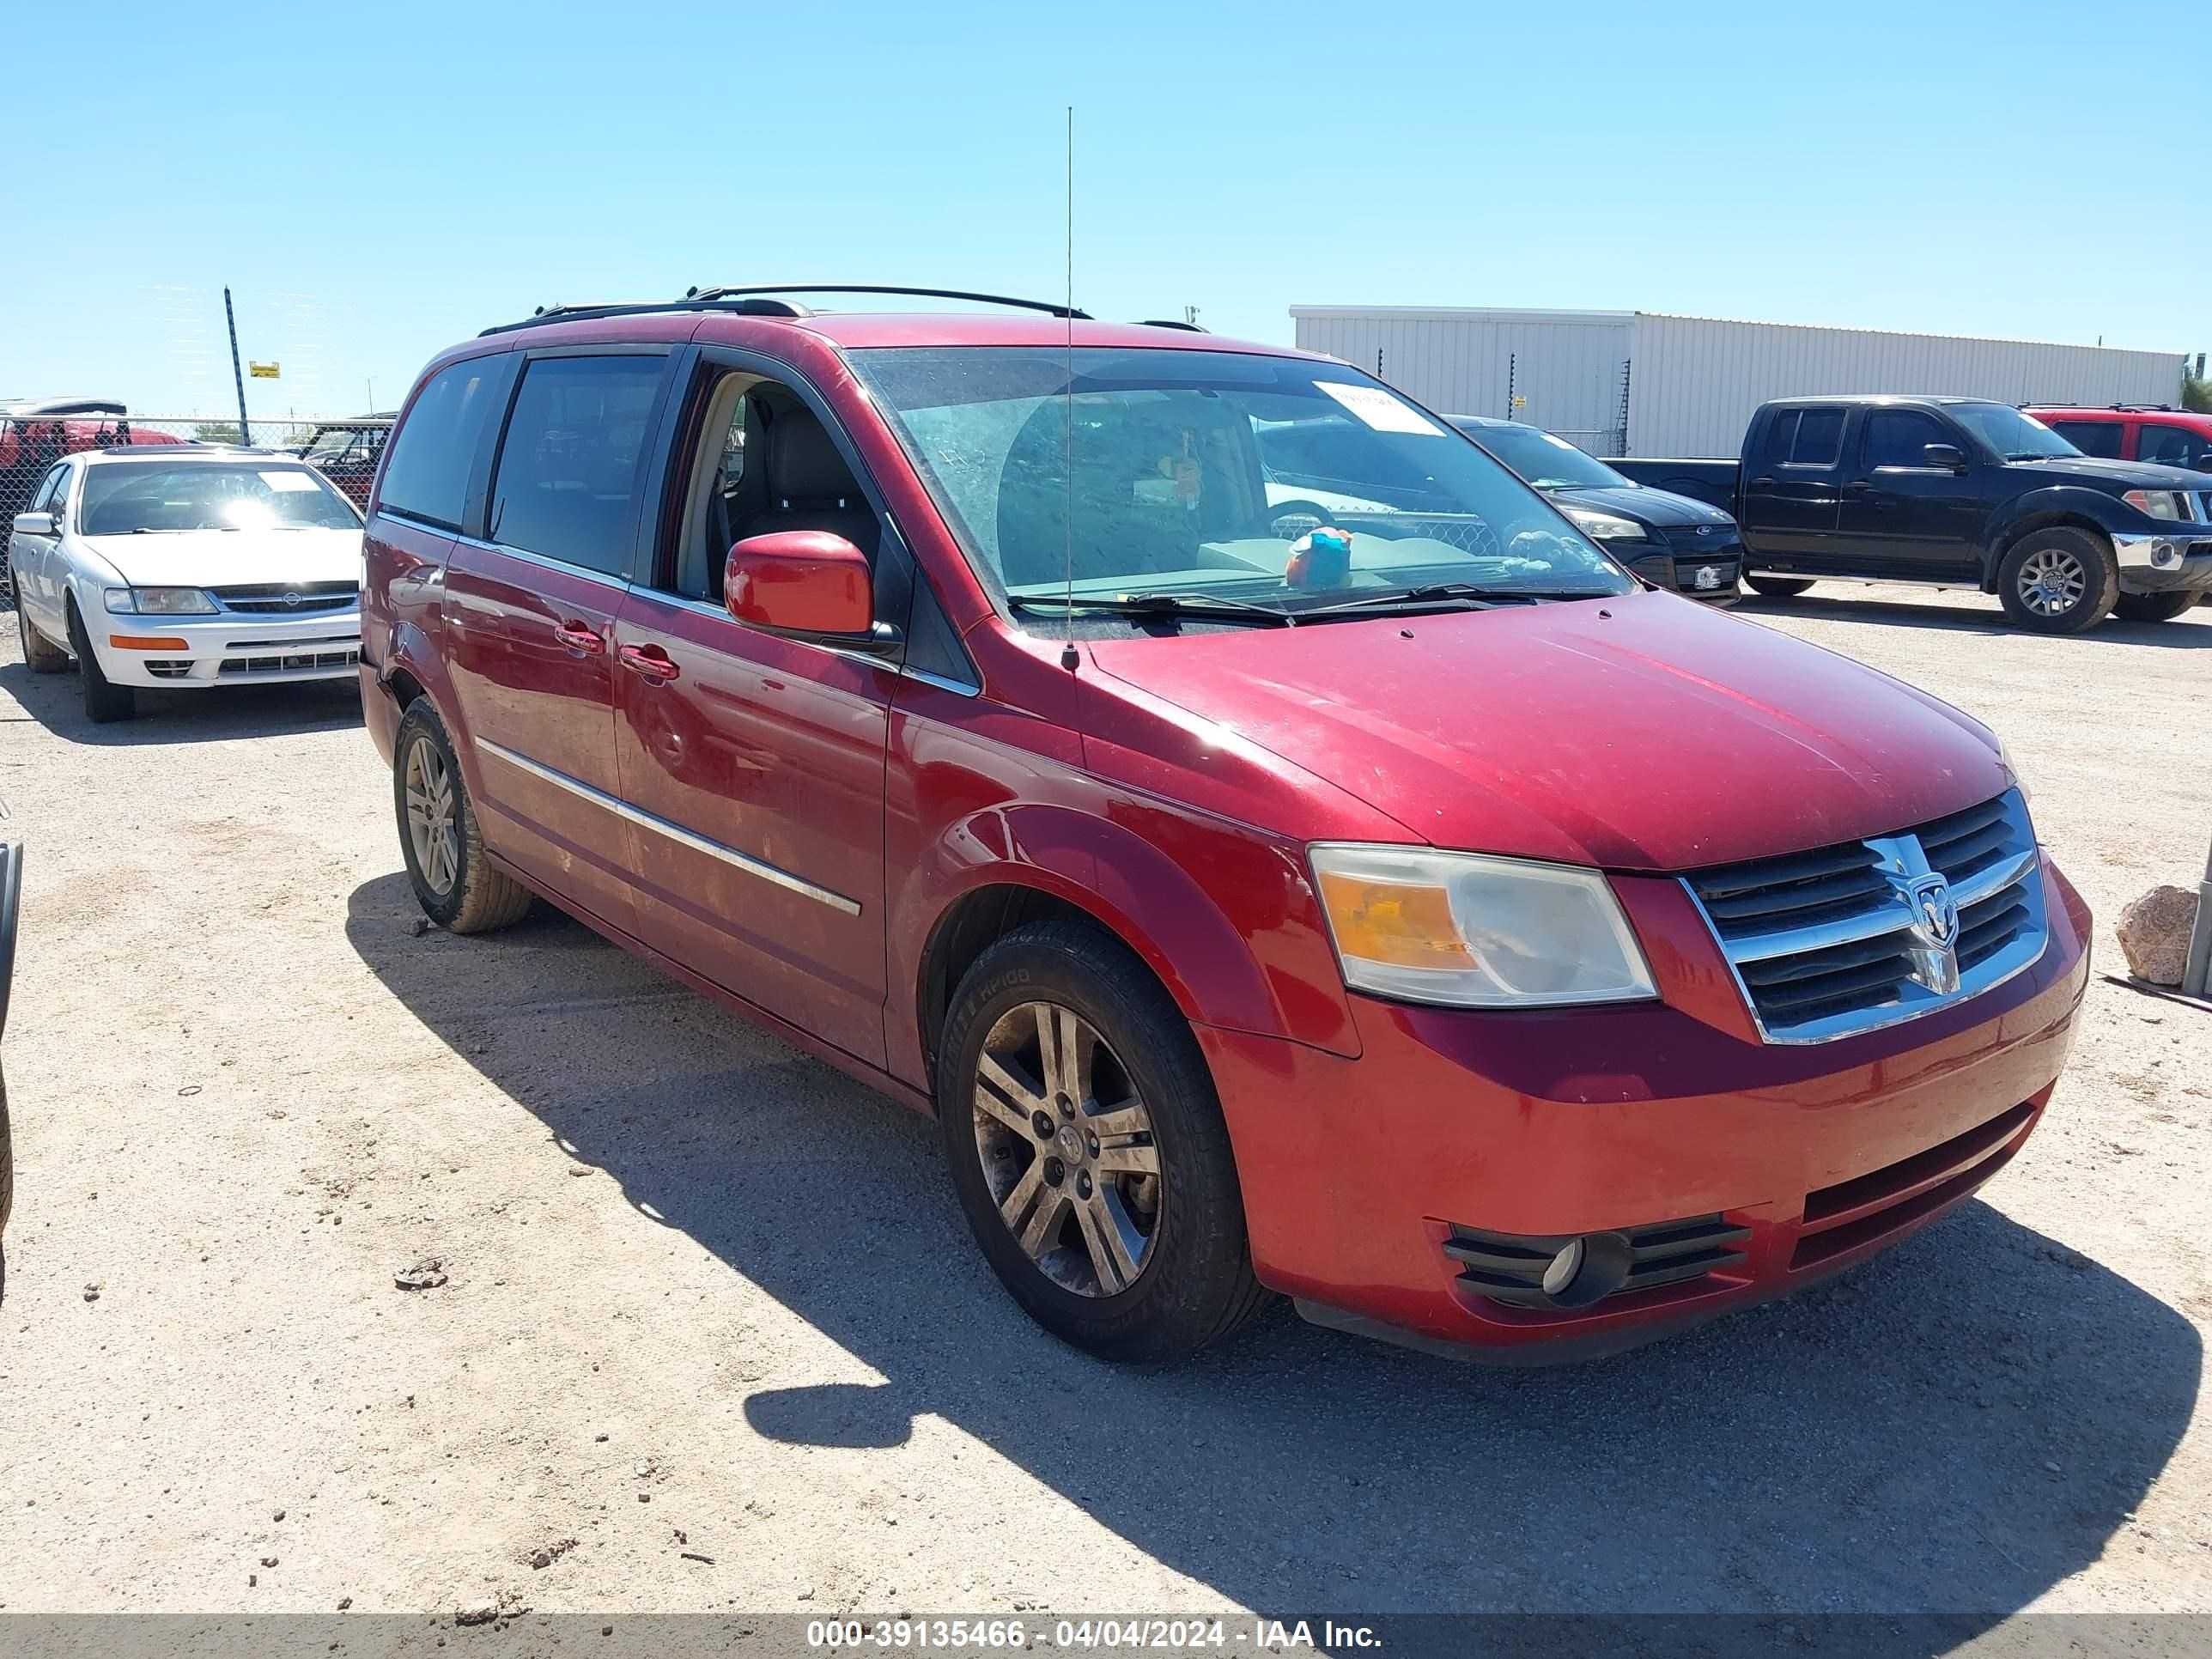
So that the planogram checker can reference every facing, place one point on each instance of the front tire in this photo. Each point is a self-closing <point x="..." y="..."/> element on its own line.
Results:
<point x="2059" y="580"/>
<point x="105" y="701"/>
<point x="440" y="838"/>
<point x="1778" y="587"/>
<point x="40" y="654"/>
<point x="2155" y="607"/>
<point x="1087" y="1147"/>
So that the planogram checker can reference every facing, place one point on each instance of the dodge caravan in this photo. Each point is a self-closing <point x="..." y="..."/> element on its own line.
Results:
<point x="1411" y="913"/>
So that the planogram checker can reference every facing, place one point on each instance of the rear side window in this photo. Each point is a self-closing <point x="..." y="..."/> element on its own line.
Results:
<point x="568" y="470"/>
<point x="1803" y="437"/>
<point x="1819" y="438"/>
<point x="433" y="453"/>
<point x="1897" y="437"/>
<point x="2091" y="437"/>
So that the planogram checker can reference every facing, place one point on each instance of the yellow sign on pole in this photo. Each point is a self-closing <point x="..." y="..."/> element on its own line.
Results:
<point x="265" y="371"/>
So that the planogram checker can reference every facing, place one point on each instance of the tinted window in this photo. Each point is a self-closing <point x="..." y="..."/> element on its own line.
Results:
<point x="2091" y="437"/>
<point x="2174" y="445"/>
<point x="1896" y="437"/>
<point x="569" y="469"/>
<point x="433" y="453"/>
<point x="1781" y="433"/>
<point x="1819" y="438"/>
<point x="48" y="498"/>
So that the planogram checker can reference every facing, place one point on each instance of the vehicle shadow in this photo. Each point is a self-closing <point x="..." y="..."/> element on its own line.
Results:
<point x="214" y="716"/>
<point x="1966" y="613"/>
<point x="1955" y="1428"/>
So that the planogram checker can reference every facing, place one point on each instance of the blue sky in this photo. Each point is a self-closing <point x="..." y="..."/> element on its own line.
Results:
<point x="375" y="182"/>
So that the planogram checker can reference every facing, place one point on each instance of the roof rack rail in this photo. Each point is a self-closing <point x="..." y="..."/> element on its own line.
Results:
<point x="1051" y="308"/>
<point x="2152" y="409"/>
<point x="1164" y="322"/>
<point x="581" y="314"/>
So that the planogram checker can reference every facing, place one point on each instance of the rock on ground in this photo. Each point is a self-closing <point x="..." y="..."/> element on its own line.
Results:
<point x="2154" y="934"/>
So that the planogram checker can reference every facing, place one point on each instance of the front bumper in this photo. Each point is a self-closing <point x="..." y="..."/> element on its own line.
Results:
<point x="1357" y="1173"/>
<point x="1709" y="575"/>
<point x="2165" y="561"/>
<point x="228" y="649"/>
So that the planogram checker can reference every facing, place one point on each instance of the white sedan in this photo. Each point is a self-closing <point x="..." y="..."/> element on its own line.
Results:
<point x="177" y="566"/>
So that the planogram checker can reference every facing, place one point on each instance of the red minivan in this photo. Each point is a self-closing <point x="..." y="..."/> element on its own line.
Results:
<point x="1413" y="913"/>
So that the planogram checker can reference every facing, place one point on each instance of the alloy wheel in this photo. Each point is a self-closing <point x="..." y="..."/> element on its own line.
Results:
<point x="1068" y="1149"/>
<point x="432" y="832"/>
<point x="2051" y="581"/>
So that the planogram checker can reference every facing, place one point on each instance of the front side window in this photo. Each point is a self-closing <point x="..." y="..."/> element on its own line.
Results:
<point x="2172" y="446"/>
<point x="52" y="489"/>
<point x="137" y="498"/>
<point x="2099" y="438"/>
<point x="1899" y="437"/>
<point x="436" y="448"/>
<point x="1211" y="473"/>
<point x="2009" y="434"/>
<point x="568" y="479"/>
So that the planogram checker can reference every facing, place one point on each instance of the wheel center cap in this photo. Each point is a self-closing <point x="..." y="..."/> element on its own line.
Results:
<point x="1069" y="1141"/>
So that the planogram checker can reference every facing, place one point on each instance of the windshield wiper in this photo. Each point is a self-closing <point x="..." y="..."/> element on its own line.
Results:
<point x="1460" y="596"/>
<point x="1200" y="606"/>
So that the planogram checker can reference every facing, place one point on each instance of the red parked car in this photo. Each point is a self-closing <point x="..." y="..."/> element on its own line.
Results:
<point x="2135" y="432"/>
<point x="1415" y="914"/>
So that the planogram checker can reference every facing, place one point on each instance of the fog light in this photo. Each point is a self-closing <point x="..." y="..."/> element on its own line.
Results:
<point x="1564" y="1268"/>
<point x="2163" y="554"/>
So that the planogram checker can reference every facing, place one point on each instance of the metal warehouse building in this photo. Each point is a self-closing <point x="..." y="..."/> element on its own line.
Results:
<point x="1644" y="383"/>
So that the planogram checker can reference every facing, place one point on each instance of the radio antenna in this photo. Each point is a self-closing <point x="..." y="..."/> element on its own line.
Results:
<point x="1069" y="659"/>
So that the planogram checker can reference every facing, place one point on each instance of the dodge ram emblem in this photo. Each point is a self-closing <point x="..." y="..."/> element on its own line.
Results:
<point x="1935" y="928"/>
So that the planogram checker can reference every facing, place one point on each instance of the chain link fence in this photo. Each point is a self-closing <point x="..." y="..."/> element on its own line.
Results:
<point x="345" y="448"/>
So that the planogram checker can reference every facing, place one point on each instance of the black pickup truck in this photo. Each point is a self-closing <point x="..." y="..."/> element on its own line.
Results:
<point x="1961" y="492"/>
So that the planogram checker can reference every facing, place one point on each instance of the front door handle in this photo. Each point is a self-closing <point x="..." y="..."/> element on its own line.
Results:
<point x="1860" y="483"/>
<point x="649" y="660"/>
<point x="580" y="636"/>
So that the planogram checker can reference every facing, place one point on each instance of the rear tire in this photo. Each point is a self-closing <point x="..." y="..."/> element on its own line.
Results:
<point x="440" y="838"/>
<point x="105" y="701"/>
<point x="1778" y="587"/>
<point x="40" y="654"/>
<point x="1163" y="1180"/>
<point x="2155" y="607"/>
<point x="2059" y="580"/>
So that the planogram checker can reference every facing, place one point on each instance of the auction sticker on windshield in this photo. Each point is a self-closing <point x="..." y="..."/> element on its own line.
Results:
<point x="1379" y="410"/>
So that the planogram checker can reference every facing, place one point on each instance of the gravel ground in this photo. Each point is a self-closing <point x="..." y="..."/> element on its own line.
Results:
<point x="704" y="1297"/>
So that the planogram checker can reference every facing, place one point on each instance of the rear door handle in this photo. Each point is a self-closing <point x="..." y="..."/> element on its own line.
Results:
<point x="1860" y="483"/>
<point x="649" y="660"/>
<point x="580" y="636"/>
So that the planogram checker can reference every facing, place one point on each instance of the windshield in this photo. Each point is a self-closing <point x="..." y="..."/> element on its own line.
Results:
<point x="2015" y="437"/>
<point x="140" y="497"/>
<point x="1546" y="462"/>
<point x="1204" y="472"/>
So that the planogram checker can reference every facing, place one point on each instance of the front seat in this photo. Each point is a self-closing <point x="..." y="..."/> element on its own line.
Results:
<point x="807" y="484"/>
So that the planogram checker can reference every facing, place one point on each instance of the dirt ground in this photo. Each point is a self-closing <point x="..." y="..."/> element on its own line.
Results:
<point x="706" y="1298"/>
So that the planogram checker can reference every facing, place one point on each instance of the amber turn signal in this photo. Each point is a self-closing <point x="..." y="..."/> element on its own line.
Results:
<point x="146" y="642"/>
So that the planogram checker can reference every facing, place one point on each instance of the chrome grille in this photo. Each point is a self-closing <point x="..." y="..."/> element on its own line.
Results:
<point x="287" y="599"/>
<point x="290" y="662"/>
<point x="1862" y="934"/>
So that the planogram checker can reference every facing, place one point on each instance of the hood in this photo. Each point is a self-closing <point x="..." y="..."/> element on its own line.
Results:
<point x="2111" y="475"/>
<point x="1643" y="732"/>
<point x="1660" y="508"/>
<point x="219" y="558"/>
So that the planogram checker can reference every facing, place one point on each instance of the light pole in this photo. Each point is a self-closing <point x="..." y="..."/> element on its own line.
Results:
<point x="230" y="317"/>
<point x="2194" y="977"/>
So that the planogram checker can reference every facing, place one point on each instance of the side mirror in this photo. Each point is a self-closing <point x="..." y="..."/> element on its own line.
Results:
<point x="807" y="582"/>
<point x="1947" y="456"/>
<point x="37" y="524"/>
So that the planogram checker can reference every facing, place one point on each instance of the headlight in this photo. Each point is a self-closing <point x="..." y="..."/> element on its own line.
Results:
<point x="160" y="602"/>
<point x="2157" y="503"/>
<point x="1606" y="526"/>
<point x="1475" y="932"/>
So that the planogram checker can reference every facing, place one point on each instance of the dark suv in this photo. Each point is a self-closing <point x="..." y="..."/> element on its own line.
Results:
<point x="1393" y="904"/>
